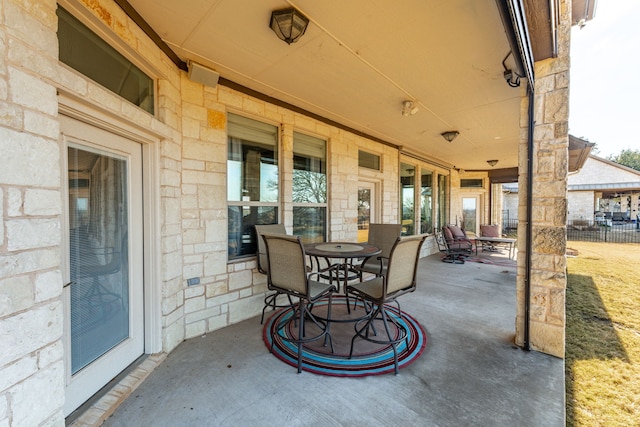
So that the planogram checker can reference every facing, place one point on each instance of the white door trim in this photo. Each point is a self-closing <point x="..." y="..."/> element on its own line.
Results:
<point x="150" y="144"/>
<point x="86" y="112"/>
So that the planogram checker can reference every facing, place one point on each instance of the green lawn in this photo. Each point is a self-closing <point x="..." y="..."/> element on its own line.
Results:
<point x="603" y="335"/>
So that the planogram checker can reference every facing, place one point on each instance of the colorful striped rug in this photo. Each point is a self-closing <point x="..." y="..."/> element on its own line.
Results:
<point x="368" y="358"/>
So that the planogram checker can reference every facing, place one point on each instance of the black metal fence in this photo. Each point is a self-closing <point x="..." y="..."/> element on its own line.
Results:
<point x="510" y="227"/>
<point x="591" y="231"/>
<point x="607" y="231"/>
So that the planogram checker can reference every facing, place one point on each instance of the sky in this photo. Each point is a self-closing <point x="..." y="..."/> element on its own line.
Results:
<point x="605" y="78"/>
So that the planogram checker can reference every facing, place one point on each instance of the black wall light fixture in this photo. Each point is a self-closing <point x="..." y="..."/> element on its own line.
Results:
<point x="288" y="24"/>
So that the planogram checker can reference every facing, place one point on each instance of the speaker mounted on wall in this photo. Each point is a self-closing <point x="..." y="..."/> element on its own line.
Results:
<point x="200" y="74"/>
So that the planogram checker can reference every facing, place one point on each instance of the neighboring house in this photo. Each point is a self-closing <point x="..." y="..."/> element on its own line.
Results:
<point x="603" y="187"/>
<point x="141" y="142"/>
<point x="598" y="189"/>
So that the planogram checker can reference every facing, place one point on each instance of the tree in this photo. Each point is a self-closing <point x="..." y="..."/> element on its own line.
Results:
<point x="627" y="157"/>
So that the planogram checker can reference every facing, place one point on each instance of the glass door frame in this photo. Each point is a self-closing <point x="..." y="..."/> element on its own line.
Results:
<point x="479" y="211"/>
<point x="374" y="206"/>
<point x="87" y="113"/>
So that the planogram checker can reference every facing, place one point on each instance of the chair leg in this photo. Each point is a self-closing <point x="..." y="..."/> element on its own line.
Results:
<point x="271" y="301"/>
<point x="328" y="325"/>
<point x="300" y="334"/>
<point x="393" y="344"/>
<point x="365" y="329"/>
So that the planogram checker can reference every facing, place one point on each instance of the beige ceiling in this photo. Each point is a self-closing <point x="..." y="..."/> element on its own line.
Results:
<point x="360" y="59"/>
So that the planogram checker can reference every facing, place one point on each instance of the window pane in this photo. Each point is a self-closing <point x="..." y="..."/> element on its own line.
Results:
<point x="309" y="169"/>
<point x="309" y="223"/>
<point x="407" y="185"/>
<point x="252" y="176"/>
<point x="471" y="183"/>
<point x="98" y="247"/>
<point x="364" y="208"/>
<point x="242" y="219"/>
<point x="469" y="213"/>
<point x="426" y="203"/>
<point x="368" y="160"/>
<point x="87" y="53"/>
<point x="443" y="200"/>
<point x="252" y="165"/>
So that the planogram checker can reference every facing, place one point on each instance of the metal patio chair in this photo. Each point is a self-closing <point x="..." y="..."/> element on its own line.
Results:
<point x="271" y="299"/>
<point x="288" y="274"/>
<point x="398" y="279"/>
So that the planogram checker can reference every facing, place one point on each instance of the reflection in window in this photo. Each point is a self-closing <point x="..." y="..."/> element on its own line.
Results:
<point x="364" y="208"/>
<point x="426" y="202"/>
<point x="469" y="214"/>
<point x="252" y="181"/>
<point x="84" y="51"/>
<point x="407" y="192"/>
<point x="443" y="200"/>
<point x="368" y="160"/>
<point x="98" y="253"/>
<point x="309" y="187"/>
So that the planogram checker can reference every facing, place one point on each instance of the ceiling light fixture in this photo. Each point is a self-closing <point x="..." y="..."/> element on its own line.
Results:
<point x="450" y="135"/>
<point x="288" y="24"/>
<point x="409" y="108"/>
<point x="492" y="163"/>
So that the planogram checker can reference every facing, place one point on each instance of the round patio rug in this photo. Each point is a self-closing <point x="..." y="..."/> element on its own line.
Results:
<point x="368" y="358"/>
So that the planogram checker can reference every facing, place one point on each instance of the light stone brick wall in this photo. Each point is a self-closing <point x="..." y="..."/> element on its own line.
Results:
<point x="31" y="315"/>
<point x="581" y="205"/>
<point x="231" y="292"/>
<point x="549" y="198"/>
<point x="600" y="171"/>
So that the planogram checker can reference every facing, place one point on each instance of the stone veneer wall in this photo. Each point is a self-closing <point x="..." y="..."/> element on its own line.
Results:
<point x="550" y="166"/>
<point x="31" y="313"/>
<point x="581" y="205"/>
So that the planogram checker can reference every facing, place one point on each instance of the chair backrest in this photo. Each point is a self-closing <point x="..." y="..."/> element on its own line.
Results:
<point x="457" y="232"/>
<point x="490" y="230"/>
<point x="287" y="269"/>
<point x="440" y="240"/>
<point x="403" y="264"/>
<point x="383" y="236"/>
<point x="262" y="250"/>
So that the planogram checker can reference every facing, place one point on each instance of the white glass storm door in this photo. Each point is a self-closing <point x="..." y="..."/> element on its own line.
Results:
<point x="470" y="214"/>
<point x="366" y="209"/>
<point x="104" y="298"/>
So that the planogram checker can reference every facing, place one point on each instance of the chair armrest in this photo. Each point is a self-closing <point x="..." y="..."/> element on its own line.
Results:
<point x="321" y="273"/>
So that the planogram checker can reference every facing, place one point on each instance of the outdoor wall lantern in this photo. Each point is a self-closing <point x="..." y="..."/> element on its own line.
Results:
<point x="450" y="135"/>
<point x="492" y="163"/>
<point x="288" y="24"/>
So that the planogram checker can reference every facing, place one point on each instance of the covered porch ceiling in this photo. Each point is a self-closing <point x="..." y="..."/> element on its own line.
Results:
<point x="359" y="60"/>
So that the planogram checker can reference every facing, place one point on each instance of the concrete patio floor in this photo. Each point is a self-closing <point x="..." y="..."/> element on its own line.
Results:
<point x="470" y="374"/>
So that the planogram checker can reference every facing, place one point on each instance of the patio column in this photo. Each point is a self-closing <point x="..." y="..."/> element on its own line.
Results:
<point x="548" y="276"/>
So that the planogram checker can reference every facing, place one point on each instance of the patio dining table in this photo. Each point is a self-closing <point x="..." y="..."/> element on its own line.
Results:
<point x="344" y="251"/>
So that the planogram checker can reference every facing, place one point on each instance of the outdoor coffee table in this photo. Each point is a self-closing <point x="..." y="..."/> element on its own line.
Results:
<point x="510" y="243"/>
